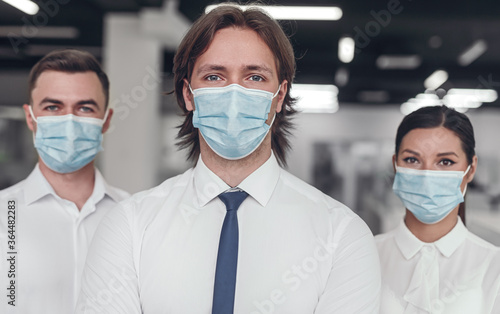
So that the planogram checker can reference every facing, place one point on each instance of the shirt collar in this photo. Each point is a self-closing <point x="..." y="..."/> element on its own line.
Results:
<point x="101" y="188"/>
<point x="409" y="244"/>
<point x="448" y="244"/>
<point x="406" y="241"/>
<point x="37" y="187"/>
<point x="260" y="184"/>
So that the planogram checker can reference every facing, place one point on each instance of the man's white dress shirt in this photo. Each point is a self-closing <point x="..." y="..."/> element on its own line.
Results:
<point x="50" y="243"/>
<point x="459" y="273"/>
<point x="300" y="251"/>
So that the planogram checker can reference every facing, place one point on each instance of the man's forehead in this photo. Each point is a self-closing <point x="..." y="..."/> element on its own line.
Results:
<point x="253" y="52"/>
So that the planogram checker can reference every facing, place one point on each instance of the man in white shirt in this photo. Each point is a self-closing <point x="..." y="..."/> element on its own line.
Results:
<point x="180" y="247"/>
<point x="48" y="220"/>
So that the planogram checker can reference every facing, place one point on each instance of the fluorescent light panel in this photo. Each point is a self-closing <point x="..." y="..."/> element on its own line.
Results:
<point x="294" y="12"/>
<point x="346" y="49"/>
<point x="316" y="98"/>
<point x="482" y="95"/>
<point x="473" y="52"/>
<point x="26" y="6"/>
<point x="461" y="99"/>
<point x="421" y="100"/>
<point x="55" y="32"/>
<point x="395" y="62"/>
<point x="436" y="79"/>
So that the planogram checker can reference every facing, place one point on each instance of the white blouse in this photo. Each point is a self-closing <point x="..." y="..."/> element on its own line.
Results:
<point x="459" y="273"/>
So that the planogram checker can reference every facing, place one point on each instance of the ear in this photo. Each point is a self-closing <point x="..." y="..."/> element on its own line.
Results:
<point x="29" y="119"/>
<point x="281" y="95"/>
<point x="394" y="162"/>
<point x="107" y="123"/>
<point x="188" y="96"/>
<point x="472" y="170"/>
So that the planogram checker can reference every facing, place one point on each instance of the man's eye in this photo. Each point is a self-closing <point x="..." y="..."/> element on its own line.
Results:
<point x="51" y="108"/>
<point x="256" y="78"/>
<point x="86" y="109"/>
<point x="213" y="78"/>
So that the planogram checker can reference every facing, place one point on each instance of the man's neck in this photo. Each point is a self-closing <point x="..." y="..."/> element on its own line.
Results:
<point x="76" y="187"/>
<point x="233" y="172"/>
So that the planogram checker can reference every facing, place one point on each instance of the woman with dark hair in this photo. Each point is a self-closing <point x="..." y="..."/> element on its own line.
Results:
<point x="431" y="263"/>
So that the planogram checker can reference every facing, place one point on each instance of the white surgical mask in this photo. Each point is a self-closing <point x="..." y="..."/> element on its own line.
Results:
<point x="67" y="143"/>
<point x="232" y="119"/>
<point x="429" y="194"/>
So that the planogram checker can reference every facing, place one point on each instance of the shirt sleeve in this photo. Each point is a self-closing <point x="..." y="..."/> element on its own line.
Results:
<point x="109" y="282"/>
<point x="354" y="282"/>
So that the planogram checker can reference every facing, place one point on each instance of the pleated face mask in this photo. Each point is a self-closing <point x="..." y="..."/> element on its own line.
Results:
<point x="67" y="143"/>
<point x="430" y="195"/>
<point x="232" y="119"/>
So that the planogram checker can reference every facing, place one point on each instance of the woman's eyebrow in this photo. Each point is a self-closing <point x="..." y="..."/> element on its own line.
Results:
<point x="447" y="153"/>
<point x="410" y="151"/>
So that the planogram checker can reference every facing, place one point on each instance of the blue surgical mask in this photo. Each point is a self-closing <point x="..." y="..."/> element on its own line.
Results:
<point x="67" y="143"/>
<point x="429" y="194"/>
<point x="232" y="119"/>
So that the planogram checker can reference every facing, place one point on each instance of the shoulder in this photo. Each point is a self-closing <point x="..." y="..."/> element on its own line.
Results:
<point x="13" y="191"/>
<point x="385" y="241"/>
<point x="139" y="210"/>
<point x="302" y="192"/>
<point x="314" y="205"/>
<point x="481" y="243"/>
<point x="384" y="237"/>
<point x="155" y="196"/>
<point x="117" y="194"/>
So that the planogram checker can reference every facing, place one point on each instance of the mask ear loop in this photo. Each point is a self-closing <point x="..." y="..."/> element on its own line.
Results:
<point x="32" y="115"/>
<point x="105" y="116"/>
<point x="275" y="94"/>
<point x="465" y="173"/>
<point x="274" y="116"/>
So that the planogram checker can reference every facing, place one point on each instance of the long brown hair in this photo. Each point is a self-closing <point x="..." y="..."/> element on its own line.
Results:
<point x="196" y="42"/>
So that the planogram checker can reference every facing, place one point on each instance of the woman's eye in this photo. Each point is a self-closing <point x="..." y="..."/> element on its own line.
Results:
<point x="447" y="162"/>
<point x="410" y="160"/>
<point x="256" y="78"/>
<point x="213" y="78"/>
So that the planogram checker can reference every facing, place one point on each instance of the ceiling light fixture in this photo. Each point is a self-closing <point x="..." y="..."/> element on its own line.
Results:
<point x="482" y="95"/>
<point x="436" y="79"/>
<point x="398" y="62"/>
<point x="27" y="6"/>
<point x="469" y="98"/>
<point x="473" y="52"/>
<point x="461" y="99"/>
<point x="316" y="98"/>
<point x="53" y="32"/>
<point x="294" y="12"/>
<point x="346" y="49"/>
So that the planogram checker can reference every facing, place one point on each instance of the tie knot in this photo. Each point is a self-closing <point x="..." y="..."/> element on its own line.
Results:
<point x="233" y="199"/>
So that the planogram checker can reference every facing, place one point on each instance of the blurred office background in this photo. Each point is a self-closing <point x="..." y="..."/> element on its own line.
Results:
<point x="359" y="71"/>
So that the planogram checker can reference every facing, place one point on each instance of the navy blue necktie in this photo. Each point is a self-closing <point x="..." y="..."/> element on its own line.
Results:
<point x="227" y="257"/>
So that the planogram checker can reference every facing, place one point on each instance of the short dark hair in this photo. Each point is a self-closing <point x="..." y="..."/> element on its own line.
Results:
<point x="196" y="42"/>
<point x="436" y="116"/>
<point x="71" y="61"/>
